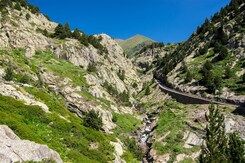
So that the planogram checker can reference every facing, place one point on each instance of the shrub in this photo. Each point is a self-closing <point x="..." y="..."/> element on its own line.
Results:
<point x="114" y="118"/>
<point x="124" y="97"/>
<point x="28" y="16"/>
<point x="134" y="85"/>
<point x="9" y="74"/>
<point x="185" y="68"/>
<point x="206" y="67"/>
<point x="223" y="53"/>
<point x="121" y="74"/>
<point x="92" y="68"/>
<point x="189" y="77"/>
<point x="17" y="6"/>
<point x="133" y="148"/>
<point x="93" y="120"/>
<point x="25" y="79"/>
<point x="228" y="72"/>
<point x="147" y="91"/>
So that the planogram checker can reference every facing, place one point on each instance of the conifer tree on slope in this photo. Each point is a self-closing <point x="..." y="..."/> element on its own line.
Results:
<point x="214" y="148"/>
<point x="236" y="151"/>
<point x="218" y="147"/>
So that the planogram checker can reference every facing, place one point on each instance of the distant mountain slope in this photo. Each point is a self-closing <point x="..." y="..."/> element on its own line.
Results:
<point x="134" y="44"/>
<point x="212" y="60"/>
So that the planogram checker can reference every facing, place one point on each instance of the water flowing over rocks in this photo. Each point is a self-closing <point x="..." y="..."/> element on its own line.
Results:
<point x="146" y="137"/>
<point x="13" y="149"/>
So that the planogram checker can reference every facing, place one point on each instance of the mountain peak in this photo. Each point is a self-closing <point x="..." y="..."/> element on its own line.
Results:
<point x="134" y="44"/>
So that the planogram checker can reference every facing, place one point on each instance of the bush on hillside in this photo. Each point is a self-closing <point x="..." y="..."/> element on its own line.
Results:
<point x="189" y="77"/>
<point x="28" y="16"/>
<point x="133" y="148"/>
<point x="93" y="120"/>
<point x="91" y="68"/>
<point x="25" y="79"/>
<point x="121" y="74"/>
<point x="223" y="53"/>
<point x="134" y="85"/>
<point x="228" y="72"/>
<point x="147" y="91"/>
<point x="9" y="74"/>
<point x="17" y="6"/>
<point x="124" y="98"/>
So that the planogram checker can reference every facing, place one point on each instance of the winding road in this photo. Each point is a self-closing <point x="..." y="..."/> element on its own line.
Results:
<point x="189" y="98"/>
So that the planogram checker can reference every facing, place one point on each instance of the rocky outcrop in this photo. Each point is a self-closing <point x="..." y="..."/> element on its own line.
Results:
<point x="15" y="91"/>
<point x="118" y="151"/>
<point x="77" y="104"/>
<point x="13" y="149"/>
<point x="17" y="31"/>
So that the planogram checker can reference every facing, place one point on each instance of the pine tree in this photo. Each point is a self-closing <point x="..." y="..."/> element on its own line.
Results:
<point x="76" y="34"/>
<point x="228" y="72"/>
<point x="236" y="151"/>
<point x="243" y="78"/>
<point x="214" y="148"/>
<point x="206" y="67"/>
<point x="17" y="6"/>
<point x="222" y="36"/>
<point x="185" y="68"/>
<point x="67" y="30"/>
<point x="189" y="77"/>
<point x="59" y="31"/>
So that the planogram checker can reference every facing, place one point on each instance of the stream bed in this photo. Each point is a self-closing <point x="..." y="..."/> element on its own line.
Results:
<point x="146" y="137"/>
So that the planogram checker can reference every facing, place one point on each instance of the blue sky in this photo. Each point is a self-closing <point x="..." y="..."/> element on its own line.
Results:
<point x="162" y="20"/>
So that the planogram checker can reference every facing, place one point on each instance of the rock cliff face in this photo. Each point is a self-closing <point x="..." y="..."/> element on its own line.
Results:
<point x="13" y="149"/>
<point x="18" y="32"/>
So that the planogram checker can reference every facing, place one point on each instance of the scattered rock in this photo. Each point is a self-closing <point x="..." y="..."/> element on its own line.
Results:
<point x="193" y="140"/>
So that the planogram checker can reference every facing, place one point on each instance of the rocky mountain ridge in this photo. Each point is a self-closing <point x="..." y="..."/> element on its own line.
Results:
<point x="219" y="42"/>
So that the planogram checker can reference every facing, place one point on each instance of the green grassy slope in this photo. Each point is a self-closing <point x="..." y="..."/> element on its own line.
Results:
<point x="70" y="139"/>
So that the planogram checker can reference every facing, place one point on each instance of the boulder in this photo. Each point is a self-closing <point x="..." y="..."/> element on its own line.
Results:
<point x="118" y="152"/>
<point x="13" y="149"/>
<point x="193" y="140"/>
